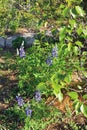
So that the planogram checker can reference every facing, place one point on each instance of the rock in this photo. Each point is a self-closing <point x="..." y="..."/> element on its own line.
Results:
<point x="49" y="33"/>
<point x="2" y="42"/>
<point x="29" y="37"/>
<point x="9" y="41"/>
<point x="30" y="41"/>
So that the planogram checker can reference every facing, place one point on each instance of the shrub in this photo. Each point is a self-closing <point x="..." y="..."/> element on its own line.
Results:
<point x="46" y="69"/>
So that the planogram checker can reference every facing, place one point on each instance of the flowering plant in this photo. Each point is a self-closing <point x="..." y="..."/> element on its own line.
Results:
<point x="45" y="69"/>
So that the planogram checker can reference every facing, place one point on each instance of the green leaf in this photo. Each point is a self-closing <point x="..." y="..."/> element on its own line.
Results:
<point x="73" y="95"/>
<point x="73" y="13"/>
<point x="62" y="33"/>
<point x="80" y="11"/>
<point x="36" y="42"/>
<point x="69" y="46"/>
<point x="85" y="32"/>
<point x="85" y="96"/>
<point x="75" y="50"/>
<point x="40" y="22"/>
<point x="62" y="6"/>
<point x="79" y="30"/>
<point x="55" y="92"/>
<point x="77" y="107"/>
<point x="56" y="87"/>
<point x="67" y="79"/>
<point x="41" y="86"/>
<point x="60" y="96"/>
<point x="65" y="11"/>
<point x="83" y="109"/>
<point x="72" y="23"/>
<point x="79" y="43"/>
<point x="63" y="83"/>
<point x="79" y="87"/>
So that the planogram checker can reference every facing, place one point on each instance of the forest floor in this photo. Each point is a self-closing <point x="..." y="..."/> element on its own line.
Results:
<point x="8" y="90"/>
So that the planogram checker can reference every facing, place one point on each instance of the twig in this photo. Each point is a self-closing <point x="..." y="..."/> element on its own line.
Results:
<point x="76" y="90"/>
<point x="52" y="101"/>
<point x="84" y="85"/>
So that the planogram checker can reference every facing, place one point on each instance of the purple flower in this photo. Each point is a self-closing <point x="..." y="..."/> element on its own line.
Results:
<point x="21" y="52"/>
<point x="49" y="61"/>
<point x="20" y="101"/>
<point x="28" y="111"/>
<point x="37" y="96"/>
<point x="55" y="51"/>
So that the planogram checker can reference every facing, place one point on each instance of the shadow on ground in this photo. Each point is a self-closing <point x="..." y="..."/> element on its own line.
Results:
<point x="8" y="81"/>
<point x="8" y="90"/>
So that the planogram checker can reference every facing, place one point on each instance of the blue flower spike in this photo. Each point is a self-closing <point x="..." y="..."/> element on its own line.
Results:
<point x="28" y="111"/>
<point x="37" y="96"/>
<point x="49" y="61"/>
<point x="20" y="101"/>
<point x="55" y="52"/>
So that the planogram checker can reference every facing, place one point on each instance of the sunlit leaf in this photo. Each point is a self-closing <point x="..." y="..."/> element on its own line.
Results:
<point x="60" y="96"/>
<point x="79" y="43"/>
<point x="62" y="33"/>
<point x="41" y="86"/>
<point x="79" y="30"/>
<point x="66" y="12"/>
<point x="72" y="23"/>
<point x="73" y="13"/>
<point x="85" y="32"/>
<point x="85" y="96"/>
<point x="77" y="107"/>
<point x="75" y="50"/>
<point x="83" y="109"/>
<point x="73" y="95"/>
<point x="80" y="11"/>
<point x="69" y="46"/>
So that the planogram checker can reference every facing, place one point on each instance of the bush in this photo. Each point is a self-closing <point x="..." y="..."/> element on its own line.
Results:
<point x="46" y="69"/>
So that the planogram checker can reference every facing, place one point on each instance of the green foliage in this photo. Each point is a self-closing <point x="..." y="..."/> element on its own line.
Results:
<point x="66" y="21"/>
<point x="18" y="41"/>
<point x="85" y="96"/>
<point x="40" y="115"/>
<point x="34" y="73"/>
<point x="15" y="14"/>
<point x="35" y="14"/>
<point x="79" y="11"/>
<point x="73" y="95"/>
<point x="83" y="109"/>
<point x="79" y="106"/>
<point x="31" y="69"/>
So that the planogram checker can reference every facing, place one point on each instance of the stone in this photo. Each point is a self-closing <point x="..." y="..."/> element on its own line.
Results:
<point x="29" y="37"/>
<point x="2" y="42"/>
<point x="9" y="41"/>
<point x="49" y="33"/>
